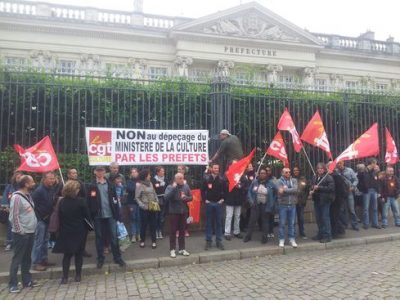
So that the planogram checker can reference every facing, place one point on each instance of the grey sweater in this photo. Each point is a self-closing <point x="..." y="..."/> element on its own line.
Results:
<point x="290" y="191"/>
<point x="177" y="198"/>
<point x="22" y="215"/>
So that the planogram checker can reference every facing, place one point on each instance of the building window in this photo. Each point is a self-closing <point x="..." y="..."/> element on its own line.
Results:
<point x="321" y="84"/>
<point x="351" y="84"/>
<point x="199" y="75"/>
<point x="116" y="70"/>
<point x="66" y="66"/>
<point x="157" y="72"/>
<point x="287" y="80"/>
<point x="381" y="86"/>
<point x="15" y="62"/>
<point x="242" y="78"/>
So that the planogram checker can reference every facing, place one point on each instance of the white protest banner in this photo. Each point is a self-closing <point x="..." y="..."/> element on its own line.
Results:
<point x="146" y="146"/>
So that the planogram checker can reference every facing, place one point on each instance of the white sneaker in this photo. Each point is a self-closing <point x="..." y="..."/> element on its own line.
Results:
<point x="271" y="235"/>
<point x="173" y="254"/>
<point x="281" y="243"/>
<point x="293" y="243"/>
<point x="184" y="252"/>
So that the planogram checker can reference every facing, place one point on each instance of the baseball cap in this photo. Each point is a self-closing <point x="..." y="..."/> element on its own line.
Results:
<point x="225" y="131"/>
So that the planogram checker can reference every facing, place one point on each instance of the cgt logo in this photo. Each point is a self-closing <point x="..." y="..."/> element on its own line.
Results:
<point x="99" y="143"/>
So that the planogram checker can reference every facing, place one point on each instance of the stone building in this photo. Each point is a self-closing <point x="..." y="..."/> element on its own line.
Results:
<point x="247" y="43"/>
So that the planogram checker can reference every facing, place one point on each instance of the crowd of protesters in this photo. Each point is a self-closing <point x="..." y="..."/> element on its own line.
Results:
<point x="341" y="199"/>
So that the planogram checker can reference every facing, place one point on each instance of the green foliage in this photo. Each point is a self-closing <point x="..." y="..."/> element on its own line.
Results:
<point x="35" y="104"/>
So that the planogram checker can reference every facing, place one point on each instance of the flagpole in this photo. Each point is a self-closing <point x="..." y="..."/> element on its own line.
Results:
<point x="327" y="173"/>
<point x="61" y="175"/>
<point x="308" y="159"/>
<point x="261" y="162"/>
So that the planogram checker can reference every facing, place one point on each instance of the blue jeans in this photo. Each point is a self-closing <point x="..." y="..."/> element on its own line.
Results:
<point x="286" y="212"/>
<point x="392" y="203"/>
<point x="213" y="213"/>
<point x="370" y="199"/>
<point x="9" y="234"/>
<point x="160" y="218"/>
<point x="39" y="251"/>
<point x="322" y="216"/>
<point x="110" y="225"/>
<point x="352" y="210"/>
<point x="134" y="217"/>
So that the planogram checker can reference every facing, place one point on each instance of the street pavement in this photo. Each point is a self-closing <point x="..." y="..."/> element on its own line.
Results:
<point x="369" y="271"/>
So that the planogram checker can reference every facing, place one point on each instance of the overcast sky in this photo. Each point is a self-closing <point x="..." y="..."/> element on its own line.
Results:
<point x="344" y="17"/>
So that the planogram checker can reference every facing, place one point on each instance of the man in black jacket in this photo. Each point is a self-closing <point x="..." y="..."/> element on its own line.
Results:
<point x="213" y="193"/>
<point x="369" y="186"/>
<point x="103" y="206"/>
<point x="323" y="194"/>
<point x="44" y="198"/>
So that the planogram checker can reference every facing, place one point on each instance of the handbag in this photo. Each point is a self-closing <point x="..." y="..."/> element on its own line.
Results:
<point x="154" y="206"/>
<point x="54" y="223"/>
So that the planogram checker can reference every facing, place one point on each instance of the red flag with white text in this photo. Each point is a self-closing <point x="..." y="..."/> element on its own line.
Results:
<point x="391" y="156"/>
<point x="277" y="149"/>
<point x="195" y="206"/>
<point x="286" y="124"/>
<point x="39" y="158"/>
<point x="366" y="145"/>
<point x="315" y="134"/>
<point x="236" y="170"/>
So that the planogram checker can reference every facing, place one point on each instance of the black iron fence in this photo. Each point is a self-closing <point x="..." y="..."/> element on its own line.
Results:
<point x="33" y="105"/>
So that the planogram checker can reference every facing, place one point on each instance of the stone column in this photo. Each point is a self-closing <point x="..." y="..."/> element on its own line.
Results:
<point x="368" y="82"/>
<point x="137" y="68"/>
<point x="309" y="76"/>
<point x="182" y="64"/>
<point x="42" y="59"/>
<point x="224" y="68"/>
<point x="336" y="81"/>
<point x="90" y="64"/>
<point x="272" y="73"/>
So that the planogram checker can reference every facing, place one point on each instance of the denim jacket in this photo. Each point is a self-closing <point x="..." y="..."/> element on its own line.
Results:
<point x="271" y="194"/>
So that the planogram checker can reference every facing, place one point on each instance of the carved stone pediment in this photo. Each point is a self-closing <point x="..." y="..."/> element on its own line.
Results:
<point x="250" y="25"/>
<point x="249" y="21"/>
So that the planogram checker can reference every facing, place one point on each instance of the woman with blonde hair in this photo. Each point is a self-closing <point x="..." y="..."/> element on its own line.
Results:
<point x="71" y="235"/>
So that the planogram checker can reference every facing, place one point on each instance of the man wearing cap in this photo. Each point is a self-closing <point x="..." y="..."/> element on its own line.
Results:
<point x="103" y="206"/>
<point x="230" y="149"/>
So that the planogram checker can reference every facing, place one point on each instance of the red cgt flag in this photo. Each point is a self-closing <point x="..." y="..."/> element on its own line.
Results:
<point x="277" y="149"/>
<point x="315" y="134"/>
<point x="39" y="158"/>
<point x="236" y="170"/>
<point x="194" y="206"/>
<point x="366" y="145"/>
<point x="286" y="124"/>
<point x="391" y="156"/>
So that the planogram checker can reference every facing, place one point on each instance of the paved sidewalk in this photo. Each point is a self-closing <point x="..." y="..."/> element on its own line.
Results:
<point x="369" y="271"/>
<point x="138" y="258"/>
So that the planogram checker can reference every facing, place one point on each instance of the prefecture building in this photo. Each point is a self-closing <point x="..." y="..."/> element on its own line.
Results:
<point x="248" y="43"/>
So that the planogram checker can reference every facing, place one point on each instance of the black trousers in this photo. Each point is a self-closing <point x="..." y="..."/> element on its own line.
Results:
<point x="267" y="219"/>
<point x="148" y="218"/>
<point x="22" y="245"/>
<point x="78" y="263"/>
